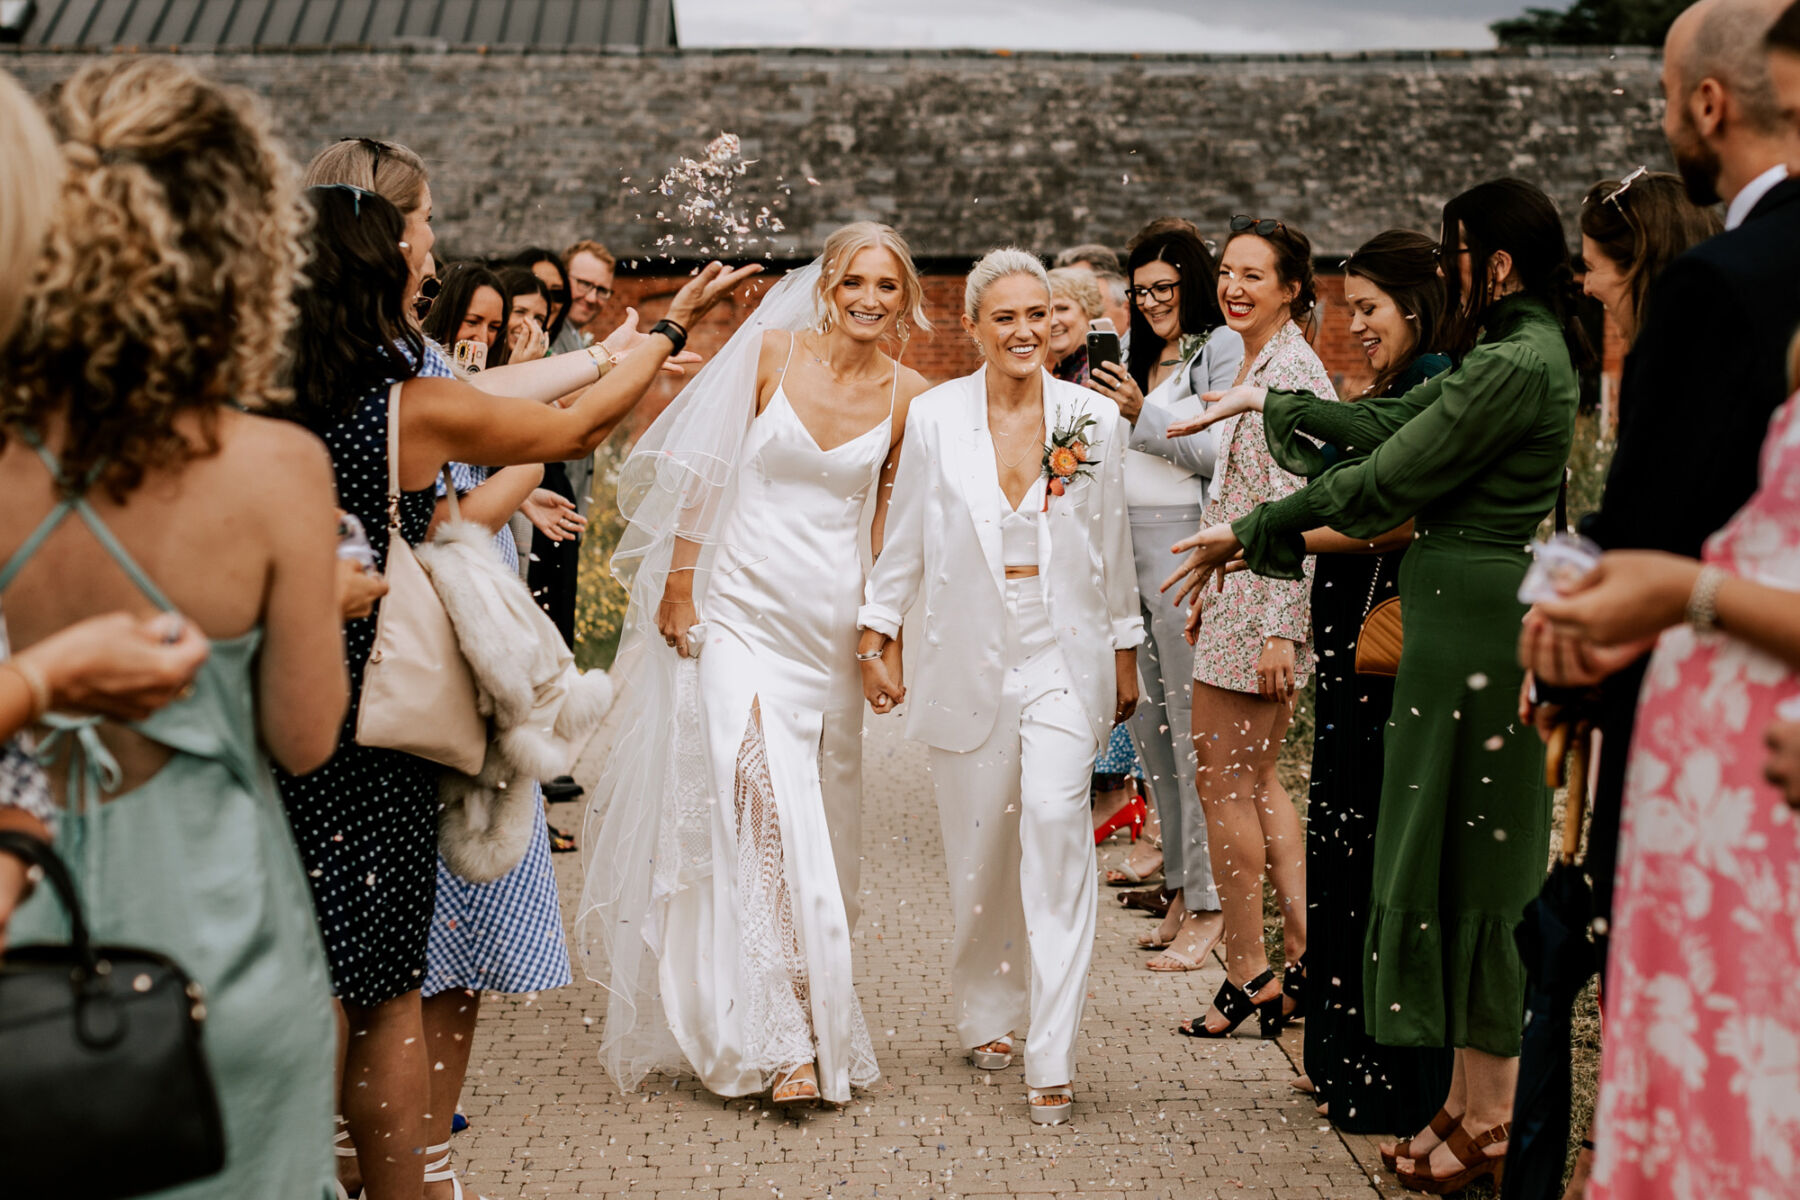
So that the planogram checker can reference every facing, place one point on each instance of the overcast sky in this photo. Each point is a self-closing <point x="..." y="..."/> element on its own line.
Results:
<point x="1112" y="25"/>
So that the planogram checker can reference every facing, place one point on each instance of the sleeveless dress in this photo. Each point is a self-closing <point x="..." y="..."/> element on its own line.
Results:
<point x="196" y="863"/>
<point x="366" y="821"/>
<point x="504" y="936"/>
<point x="755" y="970"/>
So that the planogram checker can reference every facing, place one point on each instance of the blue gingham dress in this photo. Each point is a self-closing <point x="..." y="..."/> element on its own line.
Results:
<point x="504" y="936"/>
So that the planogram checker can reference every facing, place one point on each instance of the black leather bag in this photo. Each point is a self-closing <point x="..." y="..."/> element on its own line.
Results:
<point x="104" y="1089"/>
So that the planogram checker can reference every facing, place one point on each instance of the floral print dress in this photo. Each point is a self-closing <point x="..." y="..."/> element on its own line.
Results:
<point x="1700" y="1084"/>
<point x="1234" y="623"/>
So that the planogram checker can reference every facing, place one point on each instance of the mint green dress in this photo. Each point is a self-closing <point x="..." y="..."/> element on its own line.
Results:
<point x="197" y="863"/>
<point x="1475" y="457"/>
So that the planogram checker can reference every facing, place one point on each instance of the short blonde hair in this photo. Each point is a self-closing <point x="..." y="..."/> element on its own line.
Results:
<point x="167" y="282"/>
<point x="1079" y="285"/>
<point x="28" y="190"/>
<point x="589" y="246"/>
<point x="841" y="249"/>
<point x="994" y="266"/>
<point x="388" y="169"/>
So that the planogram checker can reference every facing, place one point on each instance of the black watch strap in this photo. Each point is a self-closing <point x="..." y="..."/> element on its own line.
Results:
<point x="674" y="332"/>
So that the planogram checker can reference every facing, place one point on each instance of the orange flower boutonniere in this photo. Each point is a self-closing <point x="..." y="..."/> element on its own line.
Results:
<point x="1070" y="455"/>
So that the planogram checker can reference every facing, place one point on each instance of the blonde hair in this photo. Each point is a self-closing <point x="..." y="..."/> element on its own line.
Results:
<point x="28" y="189"/>
<point x="841" y="249"/>
<point x="588" y="246"/>
<point x="994" y="266"/>
<point x="1079" y="285"/>
<point x="388" y="169"/>
<point x="166" y="285"/>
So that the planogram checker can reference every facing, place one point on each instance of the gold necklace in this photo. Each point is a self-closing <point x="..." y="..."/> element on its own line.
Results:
<point x="1035" y="441"/>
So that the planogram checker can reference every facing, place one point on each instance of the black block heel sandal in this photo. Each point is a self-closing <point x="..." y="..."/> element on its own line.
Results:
<point x="1237" y="1005"/>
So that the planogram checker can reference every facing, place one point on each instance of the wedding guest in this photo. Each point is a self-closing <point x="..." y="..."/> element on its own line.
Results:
<point x="137" y="480"/>
<point x="1075" y="304"/>
<point x="1699" y="1016"/>
<point x="1396" y="300"/>
<point x="366" y="820"/>
<point x="1631" y="230"/>
<point x="472" y="306"/>
<point x="1103" y="264"/>
<point x="591" y="267"/>
<point x="1182" y="350"/>
<point x="1731" y="132"/>
<point x="1098" y="260"/>
<point x="528" y="314"/>
<point x="1253" y="642"/>
<point x="1024" y="556"/>
<point x="752" y="972"/>
<point x="1474" y="458"/>
<point x="547" y="265"/>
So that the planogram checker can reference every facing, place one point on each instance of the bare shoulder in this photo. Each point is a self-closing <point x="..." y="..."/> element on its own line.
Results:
<point x="909" y="387"/>
<point x="255" y="450"/>
<point x="772" y="356"/>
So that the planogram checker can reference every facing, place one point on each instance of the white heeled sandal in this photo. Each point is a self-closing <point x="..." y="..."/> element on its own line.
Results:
<point x="791" y="1089"/>
<point x="439" y="1170"/>
<point x="985" y="1059"/>
<point x="1051" y="1114"/>
<point x="342" y="1147"/>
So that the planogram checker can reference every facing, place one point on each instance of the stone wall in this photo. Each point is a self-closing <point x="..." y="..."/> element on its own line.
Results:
<point x="962" y="151"/>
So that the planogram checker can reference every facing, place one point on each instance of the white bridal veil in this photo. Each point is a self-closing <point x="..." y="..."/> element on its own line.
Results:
<point x="650" y="830"/>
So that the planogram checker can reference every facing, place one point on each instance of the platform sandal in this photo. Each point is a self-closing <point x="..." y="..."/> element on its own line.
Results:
<point x="1293" y="986"/>
<point x="1441" y="1126"/>
<point x="1054" y="1113"/>
<point x="791" y="1089"/>
<point x="1236" y="1005"/>
<point x="986" y="1058"/>
<point x="1471" y="1153"/>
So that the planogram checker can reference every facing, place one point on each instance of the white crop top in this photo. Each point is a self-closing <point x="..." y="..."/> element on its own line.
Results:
<point x="1018" y="527"/>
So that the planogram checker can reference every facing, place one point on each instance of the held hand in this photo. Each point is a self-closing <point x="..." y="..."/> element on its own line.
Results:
<point x="1563" y="659"/>
<point x="552" y="515"/>
<point x="1631" y="596"/>
<point x="1125" y="685"/>
<point x="1220" y="405"/>
<point x="674" y="617"/>
<point x="882" y="681"/>
<point x="1275" y="675"/>
<point x="627" y="337"/>
<point x="358" y="589"/>
<point x="709" y="286"/>
<point x="1783" y="768"/>
<point x="119" y="666"/>
<point x="1115" y="382"/>
<point x="1211" y="548"/>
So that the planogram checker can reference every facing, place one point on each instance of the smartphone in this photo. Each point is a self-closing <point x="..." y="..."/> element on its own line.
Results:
<point x="470" y="355"/>
<point x="1103" y="347"/>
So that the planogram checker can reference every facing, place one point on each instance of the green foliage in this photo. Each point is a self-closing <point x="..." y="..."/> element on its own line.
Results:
<point x="599" y="600"/>
<point x="1592" y="23"/>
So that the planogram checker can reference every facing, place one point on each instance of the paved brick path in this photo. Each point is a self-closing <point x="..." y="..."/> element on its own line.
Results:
<point x="1157" y="1116"/>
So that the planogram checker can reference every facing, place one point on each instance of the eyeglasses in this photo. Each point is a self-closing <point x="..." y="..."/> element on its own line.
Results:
<point x="1164" y="291"/>
<point x="583" y="287"/>
<point x="356" y="193"/>
<point x="1261" y="226"/>
<point x="1612" y="197"/>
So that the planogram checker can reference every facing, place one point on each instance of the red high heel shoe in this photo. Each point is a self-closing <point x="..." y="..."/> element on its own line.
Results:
<point x="1133" y="814"/>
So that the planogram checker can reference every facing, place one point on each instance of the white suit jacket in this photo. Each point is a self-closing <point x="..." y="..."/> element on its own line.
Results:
<point x="942" y="545"/>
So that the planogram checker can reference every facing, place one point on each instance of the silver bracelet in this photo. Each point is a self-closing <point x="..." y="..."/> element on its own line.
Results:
<point x="1703" y="601"/>
<point x="871" y="656"/>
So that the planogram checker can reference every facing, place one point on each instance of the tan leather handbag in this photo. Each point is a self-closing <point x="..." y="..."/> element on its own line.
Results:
<point x="418" y="694"/>
<point x="1378" y="642"/>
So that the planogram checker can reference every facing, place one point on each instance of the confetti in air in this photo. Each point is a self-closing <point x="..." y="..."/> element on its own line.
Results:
<point x="702" y="188"/>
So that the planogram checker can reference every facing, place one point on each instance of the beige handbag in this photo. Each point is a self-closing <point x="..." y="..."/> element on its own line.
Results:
<point x="1380" y="639"/>
<point x="418" y="694"/>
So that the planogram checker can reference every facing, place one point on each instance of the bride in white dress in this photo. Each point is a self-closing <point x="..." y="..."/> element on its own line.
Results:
<point x="722" y="877"/>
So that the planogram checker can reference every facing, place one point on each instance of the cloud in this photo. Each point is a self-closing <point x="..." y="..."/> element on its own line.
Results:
<point x="1179" y="26"/>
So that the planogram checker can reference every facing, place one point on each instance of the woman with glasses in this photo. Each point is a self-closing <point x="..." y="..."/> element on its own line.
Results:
<point x="1474" y="458"/>
<point x="1180" y="349"/>
<point x="1252" y="640"/>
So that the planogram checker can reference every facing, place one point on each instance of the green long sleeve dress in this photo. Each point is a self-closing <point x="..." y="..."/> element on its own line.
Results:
<point x="1475" y="457"/>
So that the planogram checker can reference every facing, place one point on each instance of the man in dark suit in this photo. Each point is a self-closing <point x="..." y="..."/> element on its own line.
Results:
<point x="1709" y="365"/>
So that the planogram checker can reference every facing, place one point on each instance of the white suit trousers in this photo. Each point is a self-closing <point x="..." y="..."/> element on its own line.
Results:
<point x="1020" y="846"/>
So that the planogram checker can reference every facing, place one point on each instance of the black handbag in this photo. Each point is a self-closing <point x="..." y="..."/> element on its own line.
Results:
<point x="104" y="1089"/>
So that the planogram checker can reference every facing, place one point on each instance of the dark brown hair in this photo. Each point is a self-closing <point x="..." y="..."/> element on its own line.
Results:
<point x="1293" y="265"/>
<point x="1176" y="242"/>
<point x="1404" y="265"/>
<point x="1643" y="230"/>
<point x="1517" y="217"/>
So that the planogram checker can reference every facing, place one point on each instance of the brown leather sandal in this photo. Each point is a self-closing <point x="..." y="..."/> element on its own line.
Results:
<point x="1471" y="1152"/>
<point x="1443" y="1125"/>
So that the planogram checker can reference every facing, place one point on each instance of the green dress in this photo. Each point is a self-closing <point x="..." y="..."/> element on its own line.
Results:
<point x="197" y="863"/>
<point x="1475" y="457"/>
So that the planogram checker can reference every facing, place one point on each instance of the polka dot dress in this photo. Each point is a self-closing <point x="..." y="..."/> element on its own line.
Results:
<point x="366" y="821"/>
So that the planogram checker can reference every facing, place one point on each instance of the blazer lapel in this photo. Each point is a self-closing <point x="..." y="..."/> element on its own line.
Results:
<point x="976" y="476"/>
<point x="1056" y="415"/>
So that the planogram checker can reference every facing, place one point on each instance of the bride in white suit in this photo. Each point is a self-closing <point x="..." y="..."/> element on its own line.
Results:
<point x="722" y="882"/>
<point x="1022" y="560"/>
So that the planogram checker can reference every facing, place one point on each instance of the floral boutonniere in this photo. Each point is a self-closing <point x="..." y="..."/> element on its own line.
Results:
<point x="1070" y="455"/>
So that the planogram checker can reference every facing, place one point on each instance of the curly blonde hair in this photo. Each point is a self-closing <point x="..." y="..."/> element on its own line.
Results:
<point x="166" y="285"/>
<point x="27" y="193"/>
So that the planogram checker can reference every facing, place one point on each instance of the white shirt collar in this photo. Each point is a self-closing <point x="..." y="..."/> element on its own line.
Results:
<point x="1753" y="192"/>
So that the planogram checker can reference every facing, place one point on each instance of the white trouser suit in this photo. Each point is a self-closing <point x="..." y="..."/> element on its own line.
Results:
<point x="1013" y="687"/>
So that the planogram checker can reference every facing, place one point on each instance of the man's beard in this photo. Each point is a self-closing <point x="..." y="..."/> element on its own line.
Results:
<point x="1699" y="167"/>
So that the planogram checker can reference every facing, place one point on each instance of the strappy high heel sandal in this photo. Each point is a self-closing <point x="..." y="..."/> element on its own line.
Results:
<point x="987" y="1058"/>
<point x="792" y="1089"/>
<point x="439" y="1170"/>
<point x="1055" y="1113"/>
<point x="1237" y="1005"/>
<point x="341" y="1146"/>
<point x="1293" y="985"/>
<point x="1441" y="1125"/>
<point x="1471" y="1153"/>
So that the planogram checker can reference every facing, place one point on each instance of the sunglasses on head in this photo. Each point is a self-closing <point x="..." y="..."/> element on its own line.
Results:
<point x="1612" y="197"/>
<point x="1261" y="226"/>
<point x="356" y="193"/>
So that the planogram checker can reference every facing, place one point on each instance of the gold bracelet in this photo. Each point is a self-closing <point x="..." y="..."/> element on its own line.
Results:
<point x="35" y="683"/>
<point x="1703" y="601"/>
<point x="605" y="360"/>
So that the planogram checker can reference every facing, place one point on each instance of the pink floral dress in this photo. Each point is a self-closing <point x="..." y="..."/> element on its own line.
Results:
<point x="1700" y="1083"/>
<point x="1235" y="622"/>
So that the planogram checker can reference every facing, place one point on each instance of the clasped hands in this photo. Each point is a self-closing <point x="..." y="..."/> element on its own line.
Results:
<point x="882" y="678"/>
